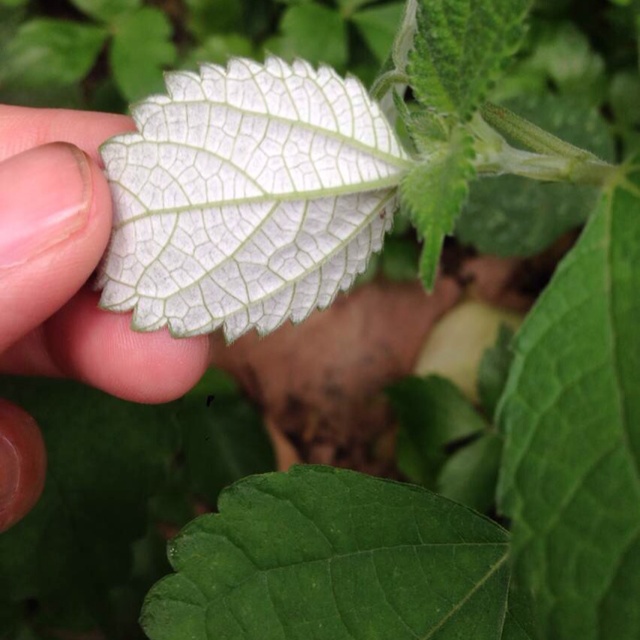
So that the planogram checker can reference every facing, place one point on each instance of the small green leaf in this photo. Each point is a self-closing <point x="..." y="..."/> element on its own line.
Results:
<point x="316" y="33"/>
<point x="106" y="9"/>
<point x="331" y="554"/>
<point x="432" y="413"/>
<point x="224" y="440"/>
<point x="434" y="193"/>
<point x="571" y="415"/>
<point x="378" y="27"/>
<point x="460" y="48"/>
<point x="141" y="48"/>
<point x="45" y="52"/>
<point x="219" y="48"/>
<point x="470" y="474"/>
<point x="494" y="369"/>
<point x="208" y="17"/>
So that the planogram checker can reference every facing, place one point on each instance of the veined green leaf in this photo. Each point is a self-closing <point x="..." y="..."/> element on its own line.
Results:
<point x="459" y="49"/>
<point x="251" y="195"/>
<point x="571" y="414"/>
<point x="332" y="554"/>
<point x="434" y="193"/>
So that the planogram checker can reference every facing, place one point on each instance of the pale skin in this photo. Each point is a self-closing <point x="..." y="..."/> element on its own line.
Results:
<point x="55" y="222"/>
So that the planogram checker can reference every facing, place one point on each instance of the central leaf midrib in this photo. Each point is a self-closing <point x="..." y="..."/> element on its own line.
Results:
<point x="342" y="190"/>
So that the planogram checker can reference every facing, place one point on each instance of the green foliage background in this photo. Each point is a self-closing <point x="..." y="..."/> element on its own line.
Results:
<point x="563" y="439"/>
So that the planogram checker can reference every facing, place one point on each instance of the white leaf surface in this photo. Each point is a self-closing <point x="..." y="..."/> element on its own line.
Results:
<point x="249" y="195"/>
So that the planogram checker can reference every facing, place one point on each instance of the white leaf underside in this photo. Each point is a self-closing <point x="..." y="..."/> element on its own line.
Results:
<point x="250" y="195"/>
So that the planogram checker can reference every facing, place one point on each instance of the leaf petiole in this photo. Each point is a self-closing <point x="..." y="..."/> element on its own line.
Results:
<point x="549" y="159"/>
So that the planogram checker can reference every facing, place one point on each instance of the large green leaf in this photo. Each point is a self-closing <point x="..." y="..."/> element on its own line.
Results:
<point x="105" y="459"/>
<point x="327" y="553"/>
<point x="434" y="193"/>
<point x="460" y="48"/>
<point x="571" y="413"/>
<point x="141" y="49"/>
<point x="45" y="52"/>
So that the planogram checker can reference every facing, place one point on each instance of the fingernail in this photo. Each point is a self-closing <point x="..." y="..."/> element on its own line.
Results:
<point x="9" y="473"/>
<point x="23" y="464"/>
<point x="45" y="196"/>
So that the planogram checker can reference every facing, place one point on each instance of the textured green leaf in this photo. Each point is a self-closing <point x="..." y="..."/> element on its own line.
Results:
<point x="432" y="413"/>
<point x="105" y="459"/>
<point x="513" y="216"/>
<point x="460" y="48"/>
<point x="378" y="27"/>
<point x="494" y="369"/>
<point x="331" y="554"/>
<point x="571" y="414"/>
<point x="470" y="474"/>
<point x="141" y="48"/>
<point x="106" y="9"/>
<point x="224" y="440"/>
<point x="434" y="193"/>
<point x="45" y="52"/>
<point x="315" y="33"/>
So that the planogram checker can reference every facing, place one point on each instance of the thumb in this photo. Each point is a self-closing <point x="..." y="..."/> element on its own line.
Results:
<point x="55" y="216"/>
<point x="22" y="464"/>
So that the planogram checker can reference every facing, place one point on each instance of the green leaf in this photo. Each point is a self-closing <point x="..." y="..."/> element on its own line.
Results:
<point x="224" y="440"/>
<point x="332" y="554"/>
<point x="432" y="413"/>
<point x="460" y="48"/>
<point x="494" y="369"/>
<point x="564" y="54"/>
<point x="513" y="216"/>
<point x="45" y="52"/>
<point x="12" y="4"/>
<point x="106" y="9"/>
<point x="348" y="7"/>
<point x="105" y="459"/>
<point x="434" y="192"/>
<point x="470" y="474"/>
<point x="141" y="48"/>
<point x="219" y="48"/>
<point x="400" y="259"/>
<point x="378" y="27"/>
<point x="571" y="414"/>
<point x="316" y="33"/>
<point x="208" y="17"/>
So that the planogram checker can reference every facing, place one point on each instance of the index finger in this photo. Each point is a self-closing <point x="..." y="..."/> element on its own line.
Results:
<point x="23" y="128"/>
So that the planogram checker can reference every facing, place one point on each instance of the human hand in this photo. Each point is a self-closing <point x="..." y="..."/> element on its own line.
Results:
<point x="55" y="222"/>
